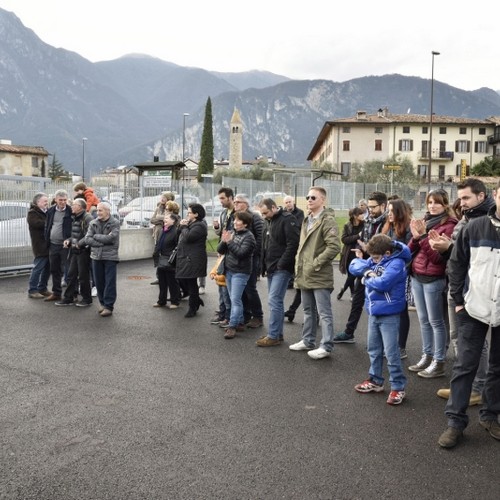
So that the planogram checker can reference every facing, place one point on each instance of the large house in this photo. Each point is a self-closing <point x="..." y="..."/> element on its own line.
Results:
<point x="28" y="161"/>
<point x="382" y="136"/>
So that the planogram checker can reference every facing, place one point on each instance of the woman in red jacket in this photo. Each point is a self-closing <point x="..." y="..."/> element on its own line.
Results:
<point x="429" y="283"/>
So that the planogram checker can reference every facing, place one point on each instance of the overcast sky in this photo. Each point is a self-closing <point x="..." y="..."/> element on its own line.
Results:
<point x="316" y="39"/>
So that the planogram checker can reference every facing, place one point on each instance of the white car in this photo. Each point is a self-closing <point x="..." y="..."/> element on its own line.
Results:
<point x="213" y="208"/>
<point x="14" y="231"/>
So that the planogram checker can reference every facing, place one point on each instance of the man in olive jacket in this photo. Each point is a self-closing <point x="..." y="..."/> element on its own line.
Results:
<point x="319" y="245"/>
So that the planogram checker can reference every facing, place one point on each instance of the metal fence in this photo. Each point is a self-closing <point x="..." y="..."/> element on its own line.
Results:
<point x="16" y="193"/>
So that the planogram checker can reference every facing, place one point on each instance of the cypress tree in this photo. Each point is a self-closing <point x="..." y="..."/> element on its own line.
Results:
<point x="206" y="165"/>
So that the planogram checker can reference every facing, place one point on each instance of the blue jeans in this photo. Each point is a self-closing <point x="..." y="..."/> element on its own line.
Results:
<point x="105" y="282"/>
<point x="429" y="303"/>
<point x="236" y="283"/>
<point x="383" y="337"/>
<point x="224" y="303"/>
<point x="277" y="285"/>
<point x="40" y="274"/>
<point x="317" y="300"/>
<point x="471" y="336"/>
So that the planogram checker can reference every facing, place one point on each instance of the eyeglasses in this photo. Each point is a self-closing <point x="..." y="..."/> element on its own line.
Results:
<point x="312" y="197"/>
<point x="373" y="207"/>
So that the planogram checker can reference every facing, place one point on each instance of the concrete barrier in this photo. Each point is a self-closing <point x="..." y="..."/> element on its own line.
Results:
<point x="136" y="244"/>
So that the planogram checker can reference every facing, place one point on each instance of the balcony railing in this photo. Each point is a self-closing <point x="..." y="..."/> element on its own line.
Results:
<point x="437" y="155"/>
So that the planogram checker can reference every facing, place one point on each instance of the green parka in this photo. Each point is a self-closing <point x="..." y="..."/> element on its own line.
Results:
<point x="317" y="249"/>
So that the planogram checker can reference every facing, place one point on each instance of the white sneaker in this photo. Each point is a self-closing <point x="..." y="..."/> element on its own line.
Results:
<point x="318" y="353"/>
<point x="94" y="291"/>
<point x="299" y="346"/>
<point x="201" y="290"/>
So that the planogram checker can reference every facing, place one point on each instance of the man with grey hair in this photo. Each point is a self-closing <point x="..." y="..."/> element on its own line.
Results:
<point x="36" y="218"/>
<point x="103" y="238"/>
<point x="252" y="305"/>
<point x="57" y="230"/>
<point x="79" y="261"/>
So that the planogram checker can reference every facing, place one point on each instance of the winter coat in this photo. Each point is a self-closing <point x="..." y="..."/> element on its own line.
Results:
<point x="67" y="222"/>
<point x="166" y="243"/>
<point x="238" y="252"/>
<point x="350" y="237"/>
<point x="385" y="293"/>
<point x="103" y="237"/>
<point x="37" y="219"/>
<point x="473" y="269"/>
<point x="157" y="221"/>
<point x="318" y="247"/>
<point x="91" y="198"/>
<point x="281" y="241"/>
<point x="191" y="250"/>
<point x="298" y="213"/>
<point x="426" y="261"/>
<point x="79" y="230"/>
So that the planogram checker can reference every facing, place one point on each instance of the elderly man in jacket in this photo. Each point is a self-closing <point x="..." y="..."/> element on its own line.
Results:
<point x="280" y="243"/>
<point x="319" y="244"/>
<point x="103" y="238"/>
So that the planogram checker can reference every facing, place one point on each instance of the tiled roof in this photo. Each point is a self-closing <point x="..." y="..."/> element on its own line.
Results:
<point x="27" y="150"/>
<point x="407" y="118"/>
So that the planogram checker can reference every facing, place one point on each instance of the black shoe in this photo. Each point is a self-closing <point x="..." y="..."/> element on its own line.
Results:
<point x="290" y="315"/>
<point x="64" y="303"/>
<point x="156" y="282"/>
<point x="82" y="303"/>
<point x="339" y="296"/>
<point x="190" y="314"/>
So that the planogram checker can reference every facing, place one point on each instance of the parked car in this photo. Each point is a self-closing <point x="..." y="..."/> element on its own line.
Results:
<point x="213" y="208"/>
<point x="14" y="231"/>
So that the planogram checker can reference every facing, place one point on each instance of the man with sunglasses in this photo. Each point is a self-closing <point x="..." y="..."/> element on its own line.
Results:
<point x="377" y="208"/>
<point x="319" y="245"/>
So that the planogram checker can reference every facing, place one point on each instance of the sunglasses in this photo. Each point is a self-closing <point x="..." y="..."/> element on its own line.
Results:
<point x="312" y="197"/>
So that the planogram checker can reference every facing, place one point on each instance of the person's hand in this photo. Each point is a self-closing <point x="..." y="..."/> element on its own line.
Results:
<point x="439" y="242"/>
<point x="362" y="246"/>
<point x="458" y="308"/>
<point x="358" y="252"/>
<point x="226" y="236"/>
<point x="417" y="228"/>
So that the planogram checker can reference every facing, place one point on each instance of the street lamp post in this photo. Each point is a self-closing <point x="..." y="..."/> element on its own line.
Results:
<point x="84" y="140"/>
<point x="434" y="53"/>
<point x="184" y="143"/>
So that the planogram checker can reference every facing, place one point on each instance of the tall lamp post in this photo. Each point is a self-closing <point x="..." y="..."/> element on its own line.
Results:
<point x="184" y="142"/>
<point x="434" y="53"/>
<point x="84" y="140"/>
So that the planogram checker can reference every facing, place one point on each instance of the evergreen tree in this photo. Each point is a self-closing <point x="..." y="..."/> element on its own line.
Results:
<point x="206" y="165"/>
<point x="56" y="170"/>
<point x="489" y="167"/>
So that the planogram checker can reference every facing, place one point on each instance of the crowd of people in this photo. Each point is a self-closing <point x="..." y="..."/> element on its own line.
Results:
<point x="446" y="263"/>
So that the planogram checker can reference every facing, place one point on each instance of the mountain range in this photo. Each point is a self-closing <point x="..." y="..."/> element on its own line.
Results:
<point x="132" y="108"/>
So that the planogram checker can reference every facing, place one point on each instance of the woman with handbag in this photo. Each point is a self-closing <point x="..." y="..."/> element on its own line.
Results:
<point x="192" y="254"/>
<point x="165" y="249"/>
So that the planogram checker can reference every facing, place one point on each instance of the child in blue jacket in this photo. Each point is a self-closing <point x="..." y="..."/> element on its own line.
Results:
<point x="384" y="276"/>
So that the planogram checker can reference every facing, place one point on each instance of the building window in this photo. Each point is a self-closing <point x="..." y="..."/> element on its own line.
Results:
<point x="482" y="131"/>
<point x="422" y="171"/>
<point x="405" y="145"/>
<point x="442" y="169"/>
<point x="346" y="130"/>
<point x="425" y="130"/>
<point x="462" y="130"/>
<point x="442" y="130"/>
<point x="346" y="145"/>
<point x="378" y="144"/>
<point x="406" y="129"/>
<point x="480" y="147"/>
<point x="462" y="146"/>
<point x="378" y="130"/>
<point x="345" y="168"/>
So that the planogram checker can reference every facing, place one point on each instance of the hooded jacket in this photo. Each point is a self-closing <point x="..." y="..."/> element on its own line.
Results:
<point x="318" y="247"/>
<point x="473" y="268"/>
<point x="385" y="293"/>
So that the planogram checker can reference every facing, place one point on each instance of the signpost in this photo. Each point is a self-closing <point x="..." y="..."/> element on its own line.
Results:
<point x="391" y="168"/>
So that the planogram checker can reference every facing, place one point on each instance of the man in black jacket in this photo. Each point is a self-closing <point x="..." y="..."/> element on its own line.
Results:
<point x="280" y="243"/>
<point x="79" y="262"/>
<point x="57" y="230"/>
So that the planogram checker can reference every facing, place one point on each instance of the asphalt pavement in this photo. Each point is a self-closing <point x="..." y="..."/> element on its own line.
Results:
<point x="147" y="404"/>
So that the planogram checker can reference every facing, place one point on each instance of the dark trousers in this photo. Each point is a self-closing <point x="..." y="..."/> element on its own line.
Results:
<point x="252" y="305"/>
<point x="168" y="283"/>
<point x="404" y="327"/>
<point x="58" y="256"/>
<point x="105" y="282"/>
<point x="296" y="301"/>
<point x="471" y="337"/>
<point x="79" y="277"/>
<point x="190" y="286"/>
<point x="358" y="300"/>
